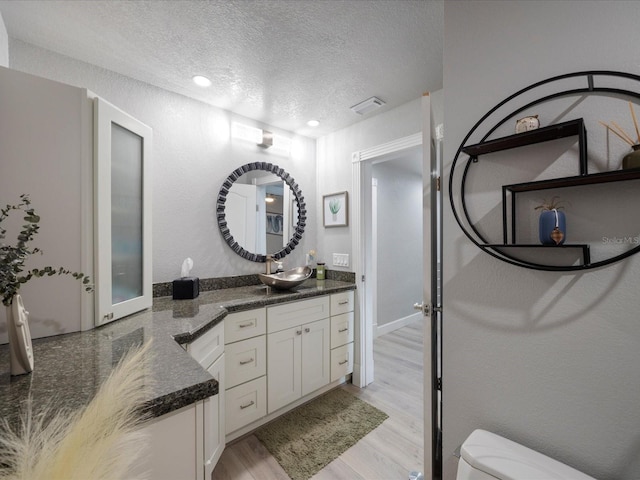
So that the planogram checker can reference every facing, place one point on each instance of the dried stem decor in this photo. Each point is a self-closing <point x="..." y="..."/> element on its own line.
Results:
<point x="621" y="133"/>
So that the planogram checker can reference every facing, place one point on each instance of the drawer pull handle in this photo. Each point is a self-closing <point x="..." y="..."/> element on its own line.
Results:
<point x="298" y="332"/>
<point x="343" y="330"/>
<point x="246" y="361"/>
<point x="344" y="302"/>
<point x="307" y="329"/>
<point x="242" y="407"/>
<point x="245" y="325"/>
<point x="343" y="362"/>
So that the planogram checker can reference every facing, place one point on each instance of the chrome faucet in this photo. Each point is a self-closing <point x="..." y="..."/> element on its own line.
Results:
<point x="268" y="262"/>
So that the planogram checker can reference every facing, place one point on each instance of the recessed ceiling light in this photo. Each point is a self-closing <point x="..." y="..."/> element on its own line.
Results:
<point x="201" y="81"/>
<point x="313" y="123"/>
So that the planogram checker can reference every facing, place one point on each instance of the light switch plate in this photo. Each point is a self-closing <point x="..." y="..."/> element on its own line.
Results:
<point x="340" y="259"/>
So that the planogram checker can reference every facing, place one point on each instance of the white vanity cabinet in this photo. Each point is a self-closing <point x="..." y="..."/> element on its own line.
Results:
<point x="188" y="442"/>
<point x="298" y="336"/>
<point x="246" y="368"/>
<point x="342" y="329"/>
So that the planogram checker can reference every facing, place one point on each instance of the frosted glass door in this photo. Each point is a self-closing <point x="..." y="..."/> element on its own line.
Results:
<point x="126" y="214"/>
<point x="123" y="214"/>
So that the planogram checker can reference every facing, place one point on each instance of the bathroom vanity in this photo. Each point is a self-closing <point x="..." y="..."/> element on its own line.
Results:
<point x="210" y="375"/>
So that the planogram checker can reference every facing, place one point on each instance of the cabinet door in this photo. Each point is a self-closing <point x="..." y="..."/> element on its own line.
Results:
<point x="122" y="182"/>
<point x="315" y="357"/>
<point x="214" y="427"/>
<point x="173" y="447"/>
<point x="284" y="369"/>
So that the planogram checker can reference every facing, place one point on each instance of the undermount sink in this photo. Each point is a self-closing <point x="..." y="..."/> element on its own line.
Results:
<point x="286" y="280"/>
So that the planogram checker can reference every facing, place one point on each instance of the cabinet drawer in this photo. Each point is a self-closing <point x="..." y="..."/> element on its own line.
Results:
<point x="245" y="403"/>
<point x="242" y="325"/>
<point x="341" y="329"/>
<point x="341" y="361"/>
<point x="288" y="315"/>
<point x="342" y="302"/>
<point x="245" y="360"/>
<point x="207" y="348"/>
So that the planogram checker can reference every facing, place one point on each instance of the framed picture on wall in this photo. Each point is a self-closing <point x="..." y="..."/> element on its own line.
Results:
<point x="335" y="210"/>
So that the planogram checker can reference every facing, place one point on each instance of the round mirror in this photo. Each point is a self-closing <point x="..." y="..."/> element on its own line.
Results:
<point x="261" y="211"/>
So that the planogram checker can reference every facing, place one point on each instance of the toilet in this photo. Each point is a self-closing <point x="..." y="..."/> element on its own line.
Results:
<point x="487" y="456"/>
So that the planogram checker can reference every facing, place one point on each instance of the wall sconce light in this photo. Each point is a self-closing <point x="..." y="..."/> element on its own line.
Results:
<point x="269" y="198"/>
<point x="262" y="138"/>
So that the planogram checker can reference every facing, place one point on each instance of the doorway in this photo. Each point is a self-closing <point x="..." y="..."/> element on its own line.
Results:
<point x="393" y="239"/>
<point x="430" y="304"/>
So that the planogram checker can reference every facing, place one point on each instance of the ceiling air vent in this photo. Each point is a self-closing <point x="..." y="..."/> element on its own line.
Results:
<point x="369" y="105"/>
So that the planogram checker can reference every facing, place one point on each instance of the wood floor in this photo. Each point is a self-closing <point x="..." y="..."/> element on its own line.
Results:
<point x="389" y="452"/>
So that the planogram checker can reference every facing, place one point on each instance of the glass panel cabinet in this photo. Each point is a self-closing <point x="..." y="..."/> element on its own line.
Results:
<point x="122" y="213"/>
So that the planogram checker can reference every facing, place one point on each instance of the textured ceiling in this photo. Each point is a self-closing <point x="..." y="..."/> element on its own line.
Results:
<point x="281" y="62"/>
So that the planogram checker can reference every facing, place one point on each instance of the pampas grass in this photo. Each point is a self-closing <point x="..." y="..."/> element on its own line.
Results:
<point x="99" y="442"/>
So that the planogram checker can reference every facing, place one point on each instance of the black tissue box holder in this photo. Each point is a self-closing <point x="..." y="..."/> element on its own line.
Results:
<point x="186" y="288"/>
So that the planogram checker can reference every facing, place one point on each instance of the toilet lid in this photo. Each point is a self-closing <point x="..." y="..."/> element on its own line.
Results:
<point x="507" y="460"/>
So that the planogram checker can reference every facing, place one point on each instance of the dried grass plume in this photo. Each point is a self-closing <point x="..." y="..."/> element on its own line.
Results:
<point x="99" y="442"/>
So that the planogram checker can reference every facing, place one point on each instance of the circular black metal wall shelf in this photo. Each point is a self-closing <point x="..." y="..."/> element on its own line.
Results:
<point x="576" y="127"/>
<point x="222" y="219"/>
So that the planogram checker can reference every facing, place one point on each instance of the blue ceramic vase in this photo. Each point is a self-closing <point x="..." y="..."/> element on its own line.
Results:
<point x="553" y="227"/>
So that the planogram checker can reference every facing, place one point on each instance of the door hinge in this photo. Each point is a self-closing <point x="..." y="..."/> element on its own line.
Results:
<point x="439" y="383"/>
<point x="438" y="184"/>
<point x="363" y="278"/>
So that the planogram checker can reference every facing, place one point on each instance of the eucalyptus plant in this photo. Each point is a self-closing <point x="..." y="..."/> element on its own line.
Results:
<point x="12" y="258"/>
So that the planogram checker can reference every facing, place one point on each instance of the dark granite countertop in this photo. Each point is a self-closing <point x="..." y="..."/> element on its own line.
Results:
<point x="69" y="369"/>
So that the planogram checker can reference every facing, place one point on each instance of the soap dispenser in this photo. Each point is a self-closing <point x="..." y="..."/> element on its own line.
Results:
<point x="279" y="267"/>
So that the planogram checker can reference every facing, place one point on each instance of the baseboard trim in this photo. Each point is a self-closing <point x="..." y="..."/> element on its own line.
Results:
<point x="396" y="324"/>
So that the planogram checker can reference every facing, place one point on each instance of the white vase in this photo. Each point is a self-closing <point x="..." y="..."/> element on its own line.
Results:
<point x="20" y="349"/>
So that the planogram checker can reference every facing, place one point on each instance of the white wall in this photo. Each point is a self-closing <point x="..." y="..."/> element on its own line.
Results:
<point x="193" y="154"/>
<point x="4" y="44"/>
<point x="550" y="360"/>
<point x="399" y="283"/>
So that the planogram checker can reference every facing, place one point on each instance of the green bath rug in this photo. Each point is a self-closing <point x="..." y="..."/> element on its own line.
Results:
<point x="306" y="439"/>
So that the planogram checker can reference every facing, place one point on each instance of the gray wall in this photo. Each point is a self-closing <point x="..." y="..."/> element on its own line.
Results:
<point x="4" y="44"/>
<point x="550" y="360"/>
<point x="334" y="158"/>
<point x="399" y="220"/>
<point x="193" y="154"/>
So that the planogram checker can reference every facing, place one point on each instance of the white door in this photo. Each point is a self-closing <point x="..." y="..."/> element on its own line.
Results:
<point x="432" y="306"/>
<point x="122" y="182"/>
<point x="241" y="215"/>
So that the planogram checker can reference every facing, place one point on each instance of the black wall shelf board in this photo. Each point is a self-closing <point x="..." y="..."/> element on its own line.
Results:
<point x="532" y="137"/>
<point x="591" y="179"/>
<point x="564" y="182"/>
<point x="586" y="253"/>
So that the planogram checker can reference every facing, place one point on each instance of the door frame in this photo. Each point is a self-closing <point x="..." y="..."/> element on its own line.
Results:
<point x="363" y="362"/>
